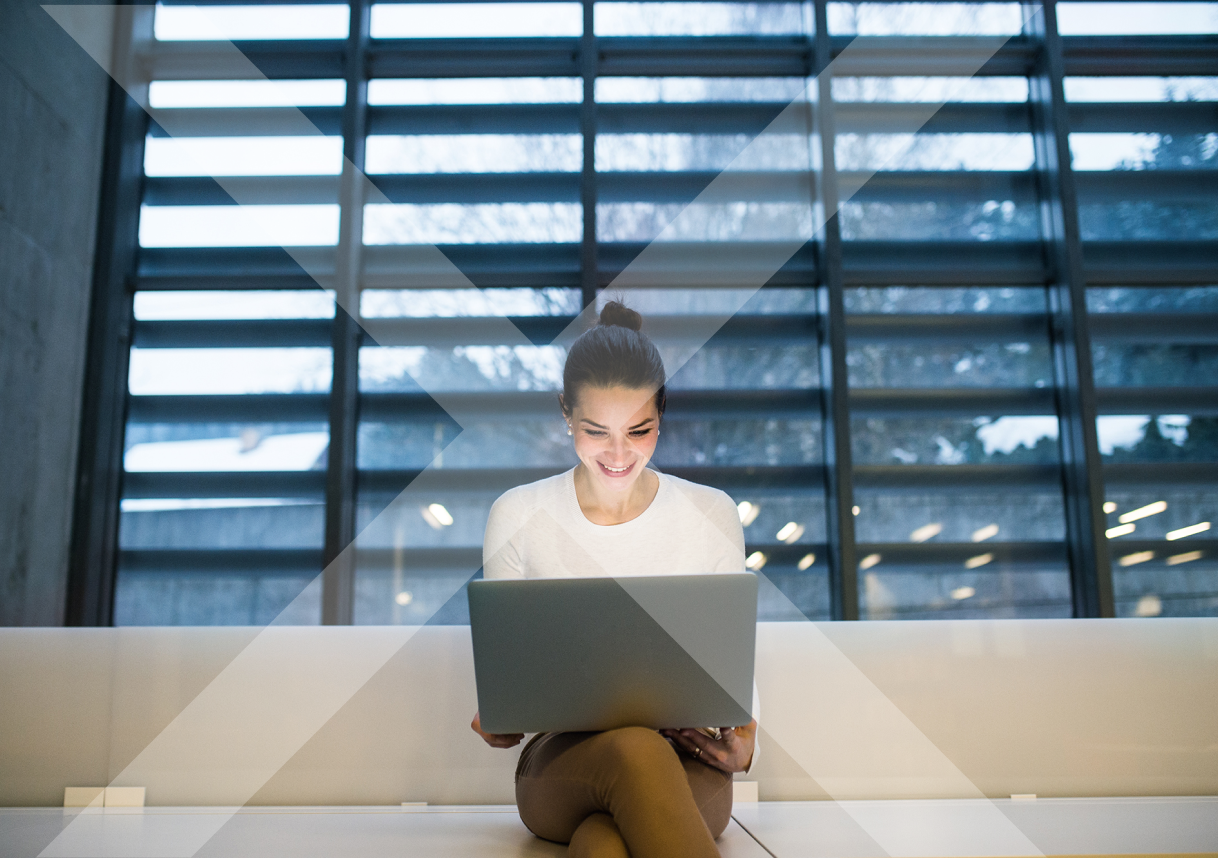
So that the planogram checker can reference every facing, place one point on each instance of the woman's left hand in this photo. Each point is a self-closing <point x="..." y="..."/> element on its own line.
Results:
<point x="731" y="752"/>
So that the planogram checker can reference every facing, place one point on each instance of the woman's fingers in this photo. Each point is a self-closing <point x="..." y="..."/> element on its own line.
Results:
<point x="495" y="740"/>
<point x="708" y="750"/>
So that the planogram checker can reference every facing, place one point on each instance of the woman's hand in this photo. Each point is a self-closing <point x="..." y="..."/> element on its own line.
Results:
<point x="731" y="752"/>
<point x="495" y="740"/>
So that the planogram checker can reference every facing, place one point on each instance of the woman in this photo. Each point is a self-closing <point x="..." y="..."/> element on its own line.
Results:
<point x="632" y="791"/>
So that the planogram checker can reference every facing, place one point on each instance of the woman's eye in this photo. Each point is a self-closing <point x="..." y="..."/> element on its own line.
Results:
<point x="639" y="433"/>
<point x="595" y="433"/>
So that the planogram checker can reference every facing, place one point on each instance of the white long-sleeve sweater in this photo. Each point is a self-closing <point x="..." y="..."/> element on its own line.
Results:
<point x="539" y="531"/>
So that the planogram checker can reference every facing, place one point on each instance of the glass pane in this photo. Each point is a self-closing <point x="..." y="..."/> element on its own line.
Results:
<point x="394" y="584"/>
<point x="945" y="555"/>
<point x="475" y="90"/>
<point x="522" y="441"/>
<point x="990" y="365"/>
<point x="218" y="371"/>
<point x="1174" y="299"/>
<point x="698" y="19"/>
<point x="984" y="547"/>
<point x="183" y="447"/>
<point x="930" y="89"/>
<point x="155" y="598"/>
<point x="483" y="223"/>
<point x="412" y="369"/>
<point x="968" y="518"/>
<point x="989" y="220"/>
<point x="933" y="151"/>
<point x="475" y="153"/>
<point x="1173" y="211"/>
<point x="475" y="20"/>
<point x="784" y="534"/>
<point x="694" y="89"/>
<point x="1160" y="505"/>
<point x="1020" y="439"/>
<point x="1158" y="438"/>
<point x="694" y="302"/>
<point x="1162" y="543"/>
<point x="285" y="304"/>
<point x="645" y="152"/>
<point x="307" y="21"/>
<point x="207" y="524"/>
<point x="999" y="590"/>
<point x="1154" y="364"/>
<point x="247" y="93"/>
<point x="745" y="367"/>
<point x="238" y="226"/>
<point x="1135" y="19"/>
<point x="939" y="299"/>
<point x="1137" y="151"/>
<point x="1141" y="88"/>
<point x="739" y="221"/>
<point x="931" y="359"/>
<point x="924" y="19"/>
<point x="448" y="303"/>
<point x="243" y="156"/>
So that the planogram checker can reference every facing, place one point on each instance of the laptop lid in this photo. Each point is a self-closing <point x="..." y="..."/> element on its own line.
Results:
<point x="598" y="653"/>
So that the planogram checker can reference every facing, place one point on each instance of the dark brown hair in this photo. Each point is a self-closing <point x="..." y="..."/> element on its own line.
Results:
<point x="613" y="353"/>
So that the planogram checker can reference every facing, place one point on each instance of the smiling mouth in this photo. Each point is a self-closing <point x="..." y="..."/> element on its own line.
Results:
<point x="615" y="472"/>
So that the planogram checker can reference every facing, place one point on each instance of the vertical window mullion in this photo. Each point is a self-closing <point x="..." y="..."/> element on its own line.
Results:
<point x="831" y="316"/>
<point x="589" y="276"/>
<point x="93" y="557"/>
<point x="338" y="581"/>
<point x="1086" y="544"/>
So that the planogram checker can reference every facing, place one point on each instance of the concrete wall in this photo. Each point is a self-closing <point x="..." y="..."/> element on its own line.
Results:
<point x="370" y="715"/>
<point x="52" y="112"/>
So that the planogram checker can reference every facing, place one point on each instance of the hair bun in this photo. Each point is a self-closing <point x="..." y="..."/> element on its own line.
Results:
<point x="618" y="314"/>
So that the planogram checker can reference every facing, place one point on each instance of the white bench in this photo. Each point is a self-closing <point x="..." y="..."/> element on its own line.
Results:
<point x="851" y="711"/>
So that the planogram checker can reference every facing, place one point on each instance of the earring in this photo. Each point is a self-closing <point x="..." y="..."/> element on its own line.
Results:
<point x="569" y="432"/>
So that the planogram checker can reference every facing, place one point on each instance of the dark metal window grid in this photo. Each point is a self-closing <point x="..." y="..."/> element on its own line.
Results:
<point x="1061" y="262"/>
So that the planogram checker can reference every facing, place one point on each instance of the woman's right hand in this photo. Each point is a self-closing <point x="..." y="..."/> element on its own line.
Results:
<point x="495" y="740"/>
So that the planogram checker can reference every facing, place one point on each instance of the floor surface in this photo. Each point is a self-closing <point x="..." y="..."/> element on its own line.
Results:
<point x="861" y="829"/>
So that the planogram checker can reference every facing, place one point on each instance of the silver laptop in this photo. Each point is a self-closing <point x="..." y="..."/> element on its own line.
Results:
<point x="599" y="653"/>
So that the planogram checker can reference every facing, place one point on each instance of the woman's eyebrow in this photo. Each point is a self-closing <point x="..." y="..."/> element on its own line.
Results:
<point x="599" y="426"/>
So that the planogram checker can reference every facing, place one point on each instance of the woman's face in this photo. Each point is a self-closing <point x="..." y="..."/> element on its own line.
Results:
<point x="615" y="431"/>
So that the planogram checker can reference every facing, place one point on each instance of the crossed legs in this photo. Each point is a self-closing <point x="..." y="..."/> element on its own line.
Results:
<point x="621" y="794"/>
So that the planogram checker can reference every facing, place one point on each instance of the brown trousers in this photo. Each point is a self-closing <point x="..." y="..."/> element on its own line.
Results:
<point x="624" y="793"/>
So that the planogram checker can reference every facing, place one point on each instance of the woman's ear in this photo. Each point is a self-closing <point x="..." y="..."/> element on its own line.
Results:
<point x="562" y="404"/>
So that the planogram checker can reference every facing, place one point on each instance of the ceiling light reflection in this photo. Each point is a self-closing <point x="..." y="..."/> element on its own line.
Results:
<point x="926" y="531"/>
<point x="1143" y="511"/>
<point x="1201" y="527"/>
<point x="790" y="532"/>
<point x="981" y="534"/>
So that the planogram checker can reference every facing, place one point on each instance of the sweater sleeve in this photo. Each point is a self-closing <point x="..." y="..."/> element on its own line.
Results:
<point x="726" y="517"/>
<point x="501" y="555"/>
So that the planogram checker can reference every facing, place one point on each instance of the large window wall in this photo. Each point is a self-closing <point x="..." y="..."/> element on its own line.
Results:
<point x="986" y="388"/>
